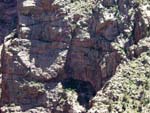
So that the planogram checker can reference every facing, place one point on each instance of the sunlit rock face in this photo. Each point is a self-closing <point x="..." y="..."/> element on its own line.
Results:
<point x="59" y="40"/>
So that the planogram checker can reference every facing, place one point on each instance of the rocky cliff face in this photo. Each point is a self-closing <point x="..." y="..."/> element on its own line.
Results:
<point x="8" y="17"/>
<point x="64" y="51"/>
<point x="8" y="22"/>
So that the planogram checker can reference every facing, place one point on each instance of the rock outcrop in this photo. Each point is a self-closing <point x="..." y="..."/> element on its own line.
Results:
<point x="56" y="41"/>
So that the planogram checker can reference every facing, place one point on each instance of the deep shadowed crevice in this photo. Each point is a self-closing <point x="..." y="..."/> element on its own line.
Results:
<point x="84" y="90"/>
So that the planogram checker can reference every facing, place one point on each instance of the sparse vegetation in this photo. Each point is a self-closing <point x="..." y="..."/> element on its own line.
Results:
<point x="132" y="90"/>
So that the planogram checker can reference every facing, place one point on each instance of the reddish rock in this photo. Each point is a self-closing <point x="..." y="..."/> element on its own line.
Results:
<point x="56" y="41"/>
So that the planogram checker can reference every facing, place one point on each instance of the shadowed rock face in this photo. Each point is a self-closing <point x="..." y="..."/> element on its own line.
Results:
<point x="8" y="17"/>
<point x="84" y="90"/>
<point x="60" y="39"/>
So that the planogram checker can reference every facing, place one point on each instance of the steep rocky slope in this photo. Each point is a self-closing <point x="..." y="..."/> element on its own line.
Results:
<point x="65" y="52"/>
<point x="8" y="22"/>
<point x="128" y="91"/>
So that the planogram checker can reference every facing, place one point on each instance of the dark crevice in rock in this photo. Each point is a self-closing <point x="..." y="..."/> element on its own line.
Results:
<point x="84" y="89"/>
<point x="68" y="70"/>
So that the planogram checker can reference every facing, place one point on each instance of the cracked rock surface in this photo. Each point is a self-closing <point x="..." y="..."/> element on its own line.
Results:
<point x="76" y="56"/>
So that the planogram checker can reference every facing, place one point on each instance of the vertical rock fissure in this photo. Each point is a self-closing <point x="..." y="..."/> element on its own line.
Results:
<point x="67" y="68"/>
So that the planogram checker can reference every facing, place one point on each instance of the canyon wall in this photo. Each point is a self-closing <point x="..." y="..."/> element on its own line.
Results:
<point x="57" y="41"/>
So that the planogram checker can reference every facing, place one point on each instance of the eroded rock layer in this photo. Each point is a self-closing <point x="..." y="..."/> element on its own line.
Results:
<point x="57" y="40"/>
